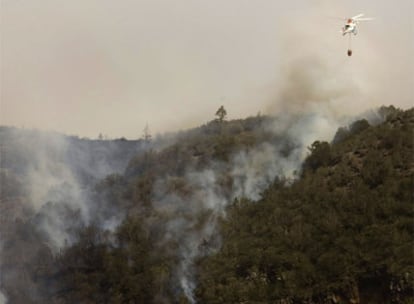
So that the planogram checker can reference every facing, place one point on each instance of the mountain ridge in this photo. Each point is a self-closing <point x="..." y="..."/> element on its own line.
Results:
<point x="158" y="227"/>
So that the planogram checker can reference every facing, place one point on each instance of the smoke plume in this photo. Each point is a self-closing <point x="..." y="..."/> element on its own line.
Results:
<point x="186" y="56"/>
<point x="95" y="67"/>
<point x="47" y="194"/>
<point x="194" y="214"/>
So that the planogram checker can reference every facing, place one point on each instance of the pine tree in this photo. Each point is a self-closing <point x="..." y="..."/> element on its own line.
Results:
<point x="221" y="114"/>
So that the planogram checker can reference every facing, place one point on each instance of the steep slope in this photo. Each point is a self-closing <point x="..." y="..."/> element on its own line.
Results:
<point x="46" y="183"/>
<point x="191" y="217"/>
<point x="173" y="196"/>
<point x="342" y="233"/>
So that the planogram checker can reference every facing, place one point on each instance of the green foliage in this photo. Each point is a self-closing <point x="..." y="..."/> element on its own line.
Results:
<point x="94" y="271"/>
<point x="343" y="232"/>
<point x="320" y="155"/>
<point x="344" y="133"/>
<point x="358" y="126"/>
<point x="221" y="114"/>
<point x="200" y="147"/>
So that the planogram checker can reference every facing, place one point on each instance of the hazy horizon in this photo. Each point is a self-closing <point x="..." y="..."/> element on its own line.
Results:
<point x="90" y="67"/>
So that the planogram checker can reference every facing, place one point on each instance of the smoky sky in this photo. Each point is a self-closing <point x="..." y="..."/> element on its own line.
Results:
<point x="86" y="67"/>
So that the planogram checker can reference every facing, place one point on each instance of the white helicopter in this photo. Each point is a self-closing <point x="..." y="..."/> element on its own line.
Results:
<point x="350" y="27"/>
<point x="351" y="23"/>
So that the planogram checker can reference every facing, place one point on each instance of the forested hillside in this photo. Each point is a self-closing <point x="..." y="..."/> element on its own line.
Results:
<point x="46" y="182"/>
<point x="230" y="212"/>
<point x="341" y="233"/>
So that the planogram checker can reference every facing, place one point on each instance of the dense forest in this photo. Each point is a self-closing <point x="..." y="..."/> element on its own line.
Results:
<point x="239" y="211"/>
<point x="341" y="233"/>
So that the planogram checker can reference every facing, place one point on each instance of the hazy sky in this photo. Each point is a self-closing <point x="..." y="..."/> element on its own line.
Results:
<point x="86" y="67"/>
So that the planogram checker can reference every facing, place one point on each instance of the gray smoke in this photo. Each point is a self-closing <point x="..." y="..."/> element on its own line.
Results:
<point x="134" y="58"/>
<point x="205" y="201"/>
<point x="59" y="171"/>
<point x="3" y="299"/>
<point x="194" y="212"/>
<point x="55" y="169"/>
<point x="47" y="183"/>
<point x="309" y="106"/>
<point x="318" y="87"/>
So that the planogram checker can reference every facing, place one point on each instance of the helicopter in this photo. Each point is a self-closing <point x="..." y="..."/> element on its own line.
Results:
<point x="350" y="27"/>
<point x="351" y="24"/>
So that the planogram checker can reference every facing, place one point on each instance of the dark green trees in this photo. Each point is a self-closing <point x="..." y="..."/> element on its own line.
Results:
<point x="127" y="269"/>
<point x="342" y="233"/>
<point x="221" y="114"/>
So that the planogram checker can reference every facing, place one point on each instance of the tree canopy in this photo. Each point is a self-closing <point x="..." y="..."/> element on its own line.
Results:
<point x="340" y="232"/>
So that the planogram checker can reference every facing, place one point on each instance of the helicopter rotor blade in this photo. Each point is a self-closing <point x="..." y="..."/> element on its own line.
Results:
<point x="357" y="16"/>
<point x="364" y="19"/>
